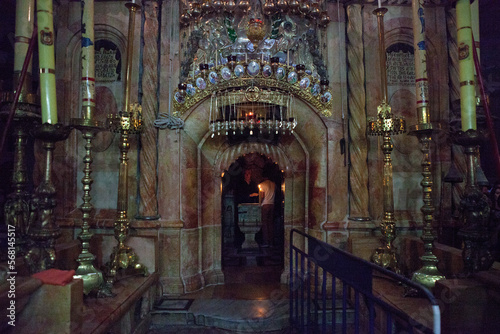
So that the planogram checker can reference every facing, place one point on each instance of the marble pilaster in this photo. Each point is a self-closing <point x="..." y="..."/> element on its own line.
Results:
<point x="148" y="205"/>
<point x="170" y="260"/>
<point x="190" y="260"/>
<point x="358" y="145"/>
<point x="211" y="254"/>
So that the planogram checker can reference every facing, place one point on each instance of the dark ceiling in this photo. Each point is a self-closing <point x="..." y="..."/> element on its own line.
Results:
<point x="489" y="30"/>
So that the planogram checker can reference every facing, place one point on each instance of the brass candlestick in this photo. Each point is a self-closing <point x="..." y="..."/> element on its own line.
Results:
<point x="474" y="209"/>
<point x="92" y="277"/>
<point x="123" y="256"/>
<point x="16" y="208"/>
<point x="128" y="121"/>
<point x="43" y="230"/>
<point x="23" y="109"/>
<point x="386" y="124"/>
<point x="428" y="274"/>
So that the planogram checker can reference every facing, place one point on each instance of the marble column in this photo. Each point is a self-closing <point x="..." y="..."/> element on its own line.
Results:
<point x="357" y="124"/>
<point x="148" y="182"/>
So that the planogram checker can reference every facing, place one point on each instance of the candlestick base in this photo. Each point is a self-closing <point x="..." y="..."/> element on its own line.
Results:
<point x="123" y="257"/>
<point x="385" y="256"/>
<point x="428" y="274"/>
<point x="43" y="229"/>
<point x="474" y="209"/>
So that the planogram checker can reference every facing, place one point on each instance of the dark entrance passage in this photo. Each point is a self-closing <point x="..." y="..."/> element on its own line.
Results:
<point x="244" y="250"/>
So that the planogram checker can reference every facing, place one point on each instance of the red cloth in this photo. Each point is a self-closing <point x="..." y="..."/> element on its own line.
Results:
<point x="55" y="276"/>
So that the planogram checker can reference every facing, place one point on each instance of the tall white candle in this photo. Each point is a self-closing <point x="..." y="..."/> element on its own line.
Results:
<point x="466" y="66"/>
<point x="88" y="66"/>
<point x="474" y="13"/>
<point x="24" y="30"/>
<point x="421" y="82"/>
<point x="46" y="61"/>
<point x="379" y="3"/>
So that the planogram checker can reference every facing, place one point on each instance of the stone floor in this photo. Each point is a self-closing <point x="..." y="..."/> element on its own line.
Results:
<point x="213" y="330"/>
<point x="251" y="301"/>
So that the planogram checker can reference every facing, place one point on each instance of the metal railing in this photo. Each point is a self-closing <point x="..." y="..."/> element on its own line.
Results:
<point x="332" y="291"/>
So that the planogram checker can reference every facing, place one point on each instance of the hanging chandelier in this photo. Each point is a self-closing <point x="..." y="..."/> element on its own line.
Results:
<point x="314" y="10"/>
<point x="253" y="77"/>
<point x="248" y="93"/>
<point x="250" y="112"/>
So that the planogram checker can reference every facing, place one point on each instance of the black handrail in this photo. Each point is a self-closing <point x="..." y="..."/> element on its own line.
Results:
<point x="356" y="276"/>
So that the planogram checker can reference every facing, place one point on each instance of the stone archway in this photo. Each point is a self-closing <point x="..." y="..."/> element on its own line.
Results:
<point x="295" y="193"/>
<point x="303" y="156"/>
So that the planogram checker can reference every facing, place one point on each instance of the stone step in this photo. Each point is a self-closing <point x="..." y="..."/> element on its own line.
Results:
<point x="235" y="315"/>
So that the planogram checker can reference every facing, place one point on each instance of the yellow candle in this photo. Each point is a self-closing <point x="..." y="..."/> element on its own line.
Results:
<point x="421" y="83"/>
<point x="466" y="65"/>
<point x="46" y="61"/>
<point x="24" y="30"/>
<point x="88" y="66"/>
<point x="474" y="13"/>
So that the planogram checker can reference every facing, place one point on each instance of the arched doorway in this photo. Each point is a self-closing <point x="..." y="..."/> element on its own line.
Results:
<point x="241" y="256"/>
<point x="205" y="159"/>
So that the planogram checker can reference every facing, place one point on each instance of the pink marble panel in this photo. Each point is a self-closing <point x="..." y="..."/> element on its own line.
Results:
<point x="189" y="197"/>
<point x="319" y="165"/>
<point x="316" y="233"/>
<point x="190" y="241"/>
<point x="317" y="207"/>
<point x="298" y="196"/>
<point x="211" y="238"/>
<point x="337" y="183"/>
<point x="208" y="193"/>
<point x="297" y="156"/>
<point x="168" y="167"/>
<point x="196" y="121"/>
<point x="170" y="261"/>
<point x="188" y="154"/>
<point x="312" y="131"/>
<point x="338" y="239"/>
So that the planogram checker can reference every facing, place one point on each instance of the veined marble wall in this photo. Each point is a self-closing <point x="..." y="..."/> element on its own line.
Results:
<point x="319" y="187"/>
